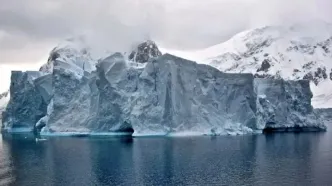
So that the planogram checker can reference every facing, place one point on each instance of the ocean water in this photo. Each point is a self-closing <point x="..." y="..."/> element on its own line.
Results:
<point x="274" y="159"/>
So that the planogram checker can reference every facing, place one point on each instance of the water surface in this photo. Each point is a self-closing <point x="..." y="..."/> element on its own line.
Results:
<point x="276" y="159"/>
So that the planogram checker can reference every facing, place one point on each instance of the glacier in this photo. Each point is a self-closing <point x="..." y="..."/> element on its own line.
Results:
<point x="147" y="93"/>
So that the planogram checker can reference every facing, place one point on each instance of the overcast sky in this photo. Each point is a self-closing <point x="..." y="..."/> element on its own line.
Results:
<point x="29" y="29"/>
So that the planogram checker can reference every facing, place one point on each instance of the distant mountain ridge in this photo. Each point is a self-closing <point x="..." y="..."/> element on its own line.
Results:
<point x="291" y="53"/>
<point x="302" y="51"/>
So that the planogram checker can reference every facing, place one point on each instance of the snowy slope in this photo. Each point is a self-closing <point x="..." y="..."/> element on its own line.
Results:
<point x="296" y="52"/>
<point x="4" y="99"/>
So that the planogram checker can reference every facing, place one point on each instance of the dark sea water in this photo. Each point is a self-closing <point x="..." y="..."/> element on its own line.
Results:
<point x="277" y="159"/>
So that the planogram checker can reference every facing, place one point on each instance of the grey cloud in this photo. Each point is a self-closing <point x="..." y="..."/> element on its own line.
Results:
<point x="29" y="28"/>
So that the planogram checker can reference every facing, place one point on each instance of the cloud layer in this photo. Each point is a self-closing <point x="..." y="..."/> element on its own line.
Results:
<point x="29" y="29"/>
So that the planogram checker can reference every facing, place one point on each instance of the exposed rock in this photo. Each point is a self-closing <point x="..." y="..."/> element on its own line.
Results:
<point x="303" y="47"/>
<point x="265" y="66"/>
<point x="4" y="94"/>
<point x="309" y="65"/>
<point x="310" y="77"/>
<point x="321" y="73"/>
<point x="144" y="52"/>
<point x="267" y="76"/>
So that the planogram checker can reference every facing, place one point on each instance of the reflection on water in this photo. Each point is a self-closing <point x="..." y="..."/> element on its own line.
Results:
<point x="288" y="159"/>
<point x="7" y="175"/>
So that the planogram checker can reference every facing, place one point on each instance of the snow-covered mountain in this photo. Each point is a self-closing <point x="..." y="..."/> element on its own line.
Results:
<point x="144" y="52"/>
<point x="294" y="52"/>
<point x="4" y="99"/>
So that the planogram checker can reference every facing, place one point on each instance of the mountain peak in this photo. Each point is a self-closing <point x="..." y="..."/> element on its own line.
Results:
<point x="144" y="52"/>
<point x="73" y="51"/>
<point x="292" y="53"/>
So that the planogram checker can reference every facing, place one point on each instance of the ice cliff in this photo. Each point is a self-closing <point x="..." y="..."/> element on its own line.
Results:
<point x="325" y="115"/>
<point x="285" y="105"/>
<point x="29" y="97"/>
<point x="148" y="93"/>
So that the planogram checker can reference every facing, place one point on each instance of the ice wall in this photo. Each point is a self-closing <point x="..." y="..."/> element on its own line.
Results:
<point x="285" y="105"/>
<point x="28" y="101"/>
<point x="177" y="95"/>
<point x="325" y="115"/>
<point x="166" y="95"/>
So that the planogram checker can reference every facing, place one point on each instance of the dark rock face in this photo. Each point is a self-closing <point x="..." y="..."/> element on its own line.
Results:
<point x="309" y="77"/>
<point x="309" y="65"/>
<point x="144" y="52"/>
<point x="266" y="76"/>
<point x="3" y="95"/>
<point x="265" y="66"/>
<point x="319" y="74"/>
<point x="48" y="67"/>
<point x="325" y="45"/>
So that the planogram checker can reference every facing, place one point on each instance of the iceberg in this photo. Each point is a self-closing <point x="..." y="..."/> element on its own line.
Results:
<point x="165" y="95"/>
